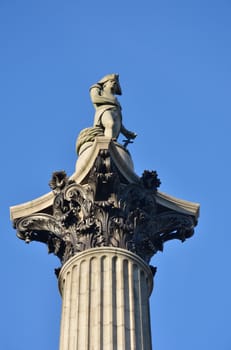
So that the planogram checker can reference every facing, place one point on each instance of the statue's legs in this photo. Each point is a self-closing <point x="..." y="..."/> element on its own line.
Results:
<point x="111" y="122"/>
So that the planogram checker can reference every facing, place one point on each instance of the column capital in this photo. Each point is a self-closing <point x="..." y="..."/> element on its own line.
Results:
<point x="105" y="204"/>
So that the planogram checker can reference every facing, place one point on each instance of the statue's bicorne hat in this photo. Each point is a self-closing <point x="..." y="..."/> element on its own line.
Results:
<point x="112" y="77"/>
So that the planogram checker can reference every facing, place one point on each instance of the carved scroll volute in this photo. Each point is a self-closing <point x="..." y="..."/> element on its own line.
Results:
<point x="37" y="227"/>
<point x="80" y="200"/>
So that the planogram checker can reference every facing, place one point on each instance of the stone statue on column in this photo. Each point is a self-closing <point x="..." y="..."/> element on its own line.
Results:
<point x="108" y="112"/>
<point x="105" y="223"/>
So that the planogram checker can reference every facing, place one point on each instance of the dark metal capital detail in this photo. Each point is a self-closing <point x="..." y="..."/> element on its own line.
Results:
<point x="106" y="211"/>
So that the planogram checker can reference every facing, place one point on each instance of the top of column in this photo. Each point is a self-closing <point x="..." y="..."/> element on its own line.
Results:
<point x="105" y="203"/>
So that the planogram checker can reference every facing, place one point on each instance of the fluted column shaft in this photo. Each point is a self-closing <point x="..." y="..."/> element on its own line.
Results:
<point x="105" y="305"/>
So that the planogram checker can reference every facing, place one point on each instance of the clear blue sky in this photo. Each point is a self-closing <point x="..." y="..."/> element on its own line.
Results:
<point x="174" y="61"/>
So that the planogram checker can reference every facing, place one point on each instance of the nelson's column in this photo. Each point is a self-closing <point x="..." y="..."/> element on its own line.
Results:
<point x="105" y="223"/>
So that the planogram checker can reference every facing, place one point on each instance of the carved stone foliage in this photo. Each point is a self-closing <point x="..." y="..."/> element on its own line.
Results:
<point x="105" y="211"/>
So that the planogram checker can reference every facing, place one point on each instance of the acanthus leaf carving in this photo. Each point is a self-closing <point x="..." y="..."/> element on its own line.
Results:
<point x="106" y="211"/>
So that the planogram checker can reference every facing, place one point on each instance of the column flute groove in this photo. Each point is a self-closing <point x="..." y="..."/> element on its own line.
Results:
<point x="105" y="296"/>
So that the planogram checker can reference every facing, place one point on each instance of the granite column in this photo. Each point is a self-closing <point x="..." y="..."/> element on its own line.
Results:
<point x="105" y="306"/>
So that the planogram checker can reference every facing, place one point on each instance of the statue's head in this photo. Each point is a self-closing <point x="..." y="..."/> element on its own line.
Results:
<point x="113" y="78"/>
